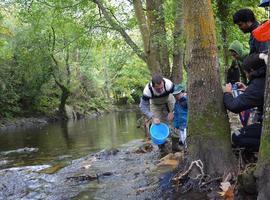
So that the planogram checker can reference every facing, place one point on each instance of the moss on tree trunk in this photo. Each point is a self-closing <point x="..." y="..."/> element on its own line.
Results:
<point x="208" y="123"/>
<point x="263" y="166"/>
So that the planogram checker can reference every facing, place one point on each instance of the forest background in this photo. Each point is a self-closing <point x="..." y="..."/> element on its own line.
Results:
<point x="91" y="55"/>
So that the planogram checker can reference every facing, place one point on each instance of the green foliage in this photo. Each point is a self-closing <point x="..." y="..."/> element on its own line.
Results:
<point x="93" y="61"/>
<point x="131" y="81"/>
<point x="9" y="87"/>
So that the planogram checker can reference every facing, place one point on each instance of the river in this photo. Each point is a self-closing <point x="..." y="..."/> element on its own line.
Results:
<point x="61" y="142"/>
<point x="87" y="159"/>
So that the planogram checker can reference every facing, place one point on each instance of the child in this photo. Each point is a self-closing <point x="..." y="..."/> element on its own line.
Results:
<point x="180" y="114"/>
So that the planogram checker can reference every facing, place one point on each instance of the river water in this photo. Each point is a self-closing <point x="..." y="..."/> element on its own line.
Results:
<point x="55" y="162"/>
<point x="62" y="142"/>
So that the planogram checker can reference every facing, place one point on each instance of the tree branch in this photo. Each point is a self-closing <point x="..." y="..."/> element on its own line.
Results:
<point x="118" y="28"/>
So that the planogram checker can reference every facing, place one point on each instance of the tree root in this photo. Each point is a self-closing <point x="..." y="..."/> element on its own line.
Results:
<point x="187" y="181"/>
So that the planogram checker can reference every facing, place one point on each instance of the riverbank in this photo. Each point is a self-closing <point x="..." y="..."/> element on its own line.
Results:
<point x="128" y="172"/>
<point x="9" y="124"/>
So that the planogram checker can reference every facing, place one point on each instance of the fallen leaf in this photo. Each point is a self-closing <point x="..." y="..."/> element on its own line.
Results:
<point x="224" y="186"/>
<point x="227" y="190"/>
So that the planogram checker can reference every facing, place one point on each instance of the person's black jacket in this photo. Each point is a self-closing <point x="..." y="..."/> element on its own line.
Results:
<point x="252" y="97"/>
<point x="233" y="74"/>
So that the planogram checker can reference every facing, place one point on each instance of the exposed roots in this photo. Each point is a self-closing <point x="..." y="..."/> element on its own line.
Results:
<point x="199" y="180"/>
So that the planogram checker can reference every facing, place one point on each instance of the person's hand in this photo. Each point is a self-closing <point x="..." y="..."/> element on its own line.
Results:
<point x="241" y="86"/>
<point x="228" y="88"/>
<point x="156" y="120"/>
<point x="170" y="116"/>
<point x="183" y="94"/>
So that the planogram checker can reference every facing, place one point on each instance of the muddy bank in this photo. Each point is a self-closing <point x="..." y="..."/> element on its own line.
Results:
<point x="41" y="121"/>
<point x="35" y="122"/>
<point x="30" y="122"/>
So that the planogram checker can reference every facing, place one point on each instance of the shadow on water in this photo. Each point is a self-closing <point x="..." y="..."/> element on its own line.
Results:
<point x="67" y="141"/>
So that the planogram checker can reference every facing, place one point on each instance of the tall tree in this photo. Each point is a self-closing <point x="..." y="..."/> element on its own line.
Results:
<point x="178" y="43"/>
<point x="208" y="124"/>
<point x="151" y="21"/>
<point x="263" y="165"/>
<point x="64" y="85"/>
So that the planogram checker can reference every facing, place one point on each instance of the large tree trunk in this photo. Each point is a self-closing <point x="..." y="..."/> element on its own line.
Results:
<point x="150" y="52"/>
<point x="208" y="123"/>
<point x="178" y="44"/>
<point x="161" y="37"/>
<point x="154" y="55"/>
<point x="263" y="165"/>
<point x="63" y="100"/>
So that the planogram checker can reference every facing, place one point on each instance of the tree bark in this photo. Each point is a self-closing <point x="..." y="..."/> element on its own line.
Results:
<point x="151" y="55"/>
<point x="154" y="58"/>
<point x="178" y="44"/>
<point x="263" y="165"/>
<point x="161" y="37"/>
<point x="144" y="29"/>
<point x="65" y="90"/>
<point x="208" y="123"/>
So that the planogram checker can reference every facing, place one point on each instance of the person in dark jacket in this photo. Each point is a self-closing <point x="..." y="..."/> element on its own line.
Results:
<point x="233" y="73"/>
<point x="238" y="54"/>
<point x="252" y="96"/>
<point x="246" y="21"/>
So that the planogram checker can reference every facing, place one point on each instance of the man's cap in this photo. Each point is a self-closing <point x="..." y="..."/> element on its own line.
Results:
<point x="178" y="89"/>
<point x="253" y="62"/>
<point x="264" y="3"/>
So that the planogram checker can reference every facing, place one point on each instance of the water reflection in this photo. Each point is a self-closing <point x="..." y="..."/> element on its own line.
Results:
<point x="66" y="141"/>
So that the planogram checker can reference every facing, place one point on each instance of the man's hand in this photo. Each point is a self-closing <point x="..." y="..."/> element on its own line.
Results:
<point x="156" y="120"/>
<point x="228" y="88"/>
<point x="241" y="86"/>
<point x="183" y="94"/>
<point x="170" y="116"/>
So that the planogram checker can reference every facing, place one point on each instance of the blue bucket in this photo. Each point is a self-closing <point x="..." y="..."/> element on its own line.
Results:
<point x="159" y="133"/>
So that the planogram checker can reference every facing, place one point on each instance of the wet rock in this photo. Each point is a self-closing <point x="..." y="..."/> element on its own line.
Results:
<point x="70" y="113"/>
<point x="53" y="169"/>
<point x="107" y="153"/>
<point x="147" y="147"/>
<point x="111" y="176"/>
<point x="19" y="151"/>
<point x="171" y="160"/>
<point x="3" y="162"/>
<point x="83" y="178"/>
<point x="86" y="164"/>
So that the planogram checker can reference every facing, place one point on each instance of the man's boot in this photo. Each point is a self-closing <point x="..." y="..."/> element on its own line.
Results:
<point x="175" y="144"/>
